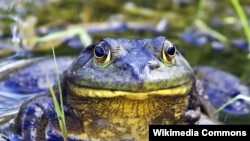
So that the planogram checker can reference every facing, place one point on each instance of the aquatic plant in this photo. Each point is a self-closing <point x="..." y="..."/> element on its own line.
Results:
<point x="246" y="28"/>
<point x="238" y="97"/>
<point x="58" y="107"/>
<point x="243" y="18"/>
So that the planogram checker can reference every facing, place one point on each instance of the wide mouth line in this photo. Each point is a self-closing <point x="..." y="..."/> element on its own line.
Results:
<point x="179" y="90"/>
<point x="130" y="90"/>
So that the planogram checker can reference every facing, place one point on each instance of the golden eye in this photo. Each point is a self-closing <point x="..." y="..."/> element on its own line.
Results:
<point x="168" y="53"/>
<point x="102" y="53"/>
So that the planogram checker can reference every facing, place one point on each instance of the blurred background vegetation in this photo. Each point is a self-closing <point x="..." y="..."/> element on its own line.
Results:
<point x="206" y="32"/>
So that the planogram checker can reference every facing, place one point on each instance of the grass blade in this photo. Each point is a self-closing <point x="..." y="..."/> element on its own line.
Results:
<point x="232" y="101"/>
<point x="244" y="21"/>
<point x="58" y="107"/>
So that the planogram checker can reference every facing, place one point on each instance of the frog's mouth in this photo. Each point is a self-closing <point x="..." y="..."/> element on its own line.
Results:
<point x="180" y="90"/>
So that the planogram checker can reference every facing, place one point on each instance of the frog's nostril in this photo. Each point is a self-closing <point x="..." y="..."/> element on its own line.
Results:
<point x="153" y="64"/>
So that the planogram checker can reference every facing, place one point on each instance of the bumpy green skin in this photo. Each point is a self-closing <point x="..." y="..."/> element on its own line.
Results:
<point x="135" y="66"/>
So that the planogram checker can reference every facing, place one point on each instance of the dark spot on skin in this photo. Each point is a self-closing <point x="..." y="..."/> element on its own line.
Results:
<point x="153" y="64"/>
<point x="121" y="65"/>
<point x="100" y="123"/>
<point x="30" y="111"/>
<point x="26" y="124"/>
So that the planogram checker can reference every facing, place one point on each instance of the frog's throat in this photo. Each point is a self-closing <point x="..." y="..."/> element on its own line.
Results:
<point x="181" y="90"/>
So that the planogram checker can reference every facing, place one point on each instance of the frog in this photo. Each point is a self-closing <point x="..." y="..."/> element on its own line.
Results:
<point x="114" y="90"/>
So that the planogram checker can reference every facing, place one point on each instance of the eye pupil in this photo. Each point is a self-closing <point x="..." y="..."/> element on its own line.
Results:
<point x="171" y="50"/>
<point x="99" y="51"/>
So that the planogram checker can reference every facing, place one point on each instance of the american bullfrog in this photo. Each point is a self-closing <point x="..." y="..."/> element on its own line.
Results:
<point x="114" y="89"/>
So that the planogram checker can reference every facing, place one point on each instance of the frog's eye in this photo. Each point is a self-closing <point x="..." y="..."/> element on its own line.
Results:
<point x="102" y="53"/>
<point x="168" y="53"/>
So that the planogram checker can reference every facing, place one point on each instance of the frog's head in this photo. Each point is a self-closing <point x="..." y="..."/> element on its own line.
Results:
<point x="134" y="69"/>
